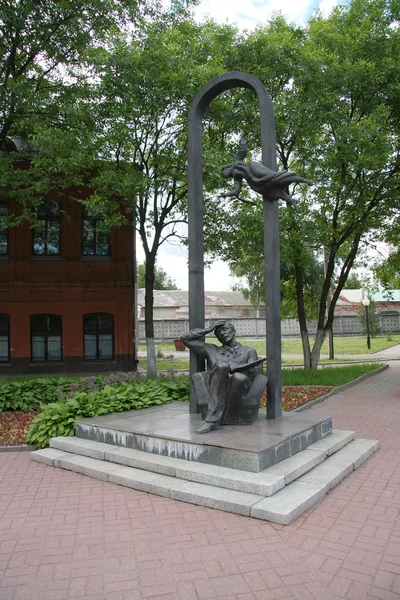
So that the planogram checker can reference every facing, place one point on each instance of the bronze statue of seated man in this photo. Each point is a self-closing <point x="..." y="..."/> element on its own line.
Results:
<point x="229" y="392"/>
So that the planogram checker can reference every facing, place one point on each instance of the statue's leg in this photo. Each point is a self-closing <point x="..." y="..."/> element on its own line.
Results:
<point x="250" y="402"/>
<point x="239" y="385"/>
<point x="217" y="387"/>
<point x="201" y="387"/>
<point x="257" y="387"/>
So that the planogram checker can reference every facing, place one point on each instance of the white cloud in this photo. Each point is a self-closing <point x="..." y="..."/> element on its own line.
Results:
<point x="247" y="14"/>
<point x="326" y="6"/>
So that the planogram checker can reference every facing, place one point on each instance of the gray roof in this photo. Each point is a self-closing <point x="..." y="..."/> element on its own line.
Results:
<point x="180" y="298"/>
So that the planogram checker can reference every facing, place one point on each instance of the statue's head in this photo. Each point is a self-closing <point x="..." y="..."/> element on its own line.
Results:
<point x="225" y="333"/>
<point x="227" y="171"/>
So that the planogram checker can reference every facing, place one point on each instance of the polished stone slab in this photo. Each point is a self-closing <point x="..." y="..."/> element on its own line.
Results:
<point x="170" y="430"/>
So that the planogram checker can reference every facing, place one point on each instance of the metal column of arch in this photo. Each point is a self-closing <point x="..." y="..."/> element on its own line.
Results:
<point x="271" y="229"/>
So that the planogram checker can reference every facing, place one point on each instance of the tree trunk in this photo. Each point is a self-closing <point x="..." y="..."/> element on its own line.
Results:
<point x="316" y="351"/>
<point x="148" y="316"/>
<point x="301" y="313"/>
<point x="306" y="349"/>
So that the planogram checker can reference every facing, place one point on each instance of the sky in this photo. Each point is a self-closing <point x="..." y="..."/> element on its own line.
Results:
<point x="246" y="14"/>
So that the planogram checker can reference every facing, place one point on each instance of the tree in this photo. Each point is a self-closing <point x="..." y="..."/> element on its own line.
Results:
<point x="104" y="111"/>
<point x="46" y="81"/>
<point x="162" y="281"/>
<point x="353" y="282"/>
<point x="387" y="271"/>
<point x="335" y="89"/>
<point x="44" y="46"/>
<point x="145" y="91"/>
<point x="253" y="288"/>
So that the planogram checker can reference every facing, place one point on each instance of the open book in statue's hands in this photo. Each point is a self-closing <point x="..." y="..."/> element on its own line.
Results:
<point x="249" y="365"/>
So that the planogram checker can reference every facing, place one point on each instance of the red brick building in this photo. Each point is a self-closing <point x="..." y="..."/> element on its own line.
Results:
<point x="66" y="293"/>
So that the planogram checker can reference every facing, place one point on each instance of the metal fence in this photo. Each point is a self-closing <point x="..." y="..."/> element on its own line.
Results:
<point x="248" y="327"/>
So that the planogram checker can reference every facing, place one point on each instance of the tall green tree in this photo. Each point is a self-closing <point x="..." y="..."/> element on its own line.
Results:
<point x="46" y="81"/>
<point x="335" y="88"/>
<point x="162" y="281"/>
<point x="353" y="282"/>
<point x="44" y="47"/>
<point x="146" y="89"/>
<point x="104" y="105"/>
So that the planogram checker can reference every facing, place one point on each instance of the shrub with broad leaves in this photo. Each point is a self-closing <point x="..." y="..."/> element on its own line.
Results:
<point x="58" y="418"/>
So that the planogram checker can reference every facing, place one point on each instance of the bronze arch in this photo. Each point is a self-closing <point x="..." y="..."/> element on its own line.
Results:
<point x="271" y="227"/>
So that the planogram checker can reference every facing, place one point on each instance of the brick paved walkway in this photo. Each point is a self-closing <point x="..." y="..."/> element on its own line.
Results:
<point x="64" y="536"/>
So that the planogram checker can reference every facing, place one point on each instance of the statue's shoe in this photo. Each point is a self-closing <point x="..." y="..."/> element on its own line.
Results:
<point x="205" y="427"/>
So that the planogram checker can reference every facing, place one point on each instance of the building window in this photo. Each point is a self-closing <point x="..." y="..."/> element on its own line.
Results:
<point x="94" y="241"/>
<point x="3" y="229"/>
<point x="46" y="338"/>
<point x="4" y="338"/>
<point x="46" y="235"/>
<point x="98" y="337"/>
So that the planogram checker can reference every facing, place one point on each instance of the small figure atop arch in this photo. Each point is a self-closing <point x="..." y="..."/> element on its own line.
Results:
<point x="272" y="185"/>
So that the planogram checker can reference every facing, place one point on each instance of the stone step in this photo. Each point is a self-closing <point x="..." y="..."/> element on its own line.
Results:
<point x="154" y="483"/>
<point x="265" y="483"/>
<point x="287" y="504"/>
<point x="283" y="507"/>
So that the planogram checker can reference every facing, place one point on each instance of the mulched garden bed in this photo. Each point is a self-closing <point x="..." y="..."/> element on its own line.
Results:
<point x="14" y="426"/>
<point x="294" y="396"/>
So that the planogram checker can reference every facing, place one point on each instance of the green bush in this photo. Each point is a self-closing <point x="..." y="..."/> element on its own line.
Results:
<point x="58" y="418"/>
<point x="29" y="394"/>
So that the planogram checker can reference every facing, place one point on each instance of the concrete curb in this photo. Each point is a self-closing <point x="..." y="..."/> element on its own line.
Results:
<point x="340" y="388"/>
<point x="22" y="448"/>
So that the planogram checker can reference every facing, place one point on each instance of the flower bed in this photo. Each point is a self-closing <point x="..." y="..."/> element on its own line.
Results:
<point x="294" y="396"/>
<point x="14" y="426"/>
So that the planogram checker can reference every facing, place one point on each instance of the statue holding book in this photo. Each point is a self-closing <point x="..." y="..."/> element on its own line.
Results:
<point x="229" y="392"/>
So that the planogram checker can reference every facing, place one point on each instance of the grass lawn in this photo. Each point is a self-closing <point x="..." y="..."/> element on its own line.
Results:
<point x="342" y="345"/>
<point x="181" y="364"/>
<point x="345" y="345"/>
<point x="328" y="376"/>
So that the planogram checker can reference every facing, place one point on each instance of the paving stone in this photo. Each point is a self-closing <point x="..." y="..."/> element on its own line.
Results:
<point x="157" y="463"/>
<point x="263" y="484"/>
<point x="48" y="456"/>
<point x="289" y="503"/>
<point x="333" y="442"/>
<point x="98" y="469"/>
<point x="214" y="497"/>
<point x="81" y="446"/>
<point x="64" y="535"/>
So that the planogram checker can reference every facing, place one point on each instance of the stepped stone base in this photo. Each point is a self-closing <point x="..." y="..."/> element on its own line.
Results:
<point x="278" y="494"/>
<point x="271" y="470"/>
<point x="170" y="430"/>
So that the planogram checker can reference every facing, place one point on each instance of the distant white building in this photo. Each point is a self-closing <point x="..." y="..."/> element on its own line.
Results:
<point x="171" y="313"/>
<point x="174" y="304"/>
